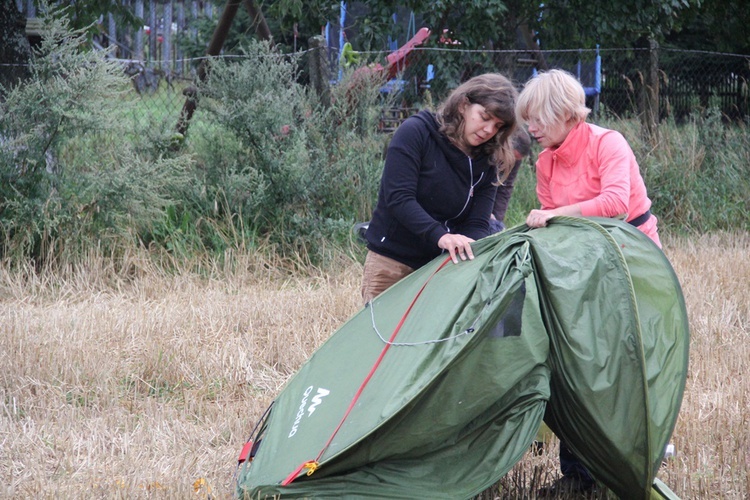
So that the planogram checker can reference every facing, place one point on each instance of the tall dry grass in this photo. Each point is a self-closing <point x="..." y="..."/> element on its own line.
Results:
<point x="145" y="384"/>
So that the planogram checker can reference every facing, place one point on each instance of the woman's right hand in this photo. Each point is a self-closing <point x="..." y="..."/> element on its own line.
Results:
<point x="458" y="245"/>
<point x="539" y="218"/>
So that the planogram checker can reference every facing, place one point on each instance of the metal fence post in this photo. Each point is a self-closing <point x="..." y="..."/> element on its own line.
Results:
<point x="152" y="56"/>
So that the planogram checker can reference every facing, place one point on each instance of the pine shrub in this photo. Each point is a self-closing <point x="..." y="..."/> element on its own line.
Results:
<point x="280" y="164"/>
<point x="71" y="177"/>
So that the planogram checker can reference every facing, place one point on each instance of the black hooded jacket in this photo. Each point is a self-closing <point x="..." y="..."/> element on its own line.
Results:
<point x="429" y="188"/>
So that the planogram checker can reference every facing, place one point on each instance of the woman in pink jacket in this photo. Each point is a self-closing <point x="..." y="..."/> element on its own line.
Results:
<point x="584" y="170"/>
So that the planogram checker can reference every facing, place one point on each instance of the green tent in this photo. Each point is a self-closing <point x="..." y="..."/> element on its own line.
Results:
<point x="438" y="387"/>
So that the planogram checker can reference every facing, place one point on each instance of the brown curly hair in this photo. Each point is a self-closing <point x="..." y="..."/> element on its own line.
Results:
<point x="498" y="96"/>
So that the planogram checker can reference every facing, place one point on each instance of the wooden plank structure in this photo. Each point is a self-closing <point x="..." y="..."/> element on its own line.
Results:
<point x="34" y="30"/>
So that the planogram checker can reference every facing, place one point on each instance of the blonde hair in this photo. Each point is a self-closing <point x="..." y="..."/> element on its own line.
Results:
<point x="497" y="95"/>
<point x="552" y="98"/>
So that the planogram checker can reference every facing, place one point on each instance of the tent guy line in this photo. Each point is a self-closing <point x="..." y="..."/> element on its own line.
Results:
<point x="313" y="465"/>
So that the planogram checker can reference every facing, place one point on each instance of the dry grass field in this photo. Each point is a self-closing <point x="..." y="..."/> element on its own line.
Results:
<point x="145" y="384"/>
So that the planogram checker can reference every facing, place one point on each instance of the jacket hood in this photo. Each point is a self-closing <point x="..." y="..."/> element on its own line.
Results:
<point x="451" y="151"/>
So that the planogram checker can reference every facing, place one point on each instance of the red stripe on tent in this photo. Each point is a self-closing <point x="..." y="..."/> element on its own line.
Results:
<point x="245" y="451"/>
<point x="312" y="465"/>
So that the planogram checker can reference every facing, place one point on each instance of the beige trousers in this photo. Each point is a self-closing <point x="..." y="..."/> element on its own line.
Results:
<point x="380" y="273"/>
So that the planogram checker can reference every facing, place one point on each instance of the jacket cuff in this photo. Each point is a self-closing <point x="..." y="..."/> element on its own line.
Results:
<point x="435" y="234"/>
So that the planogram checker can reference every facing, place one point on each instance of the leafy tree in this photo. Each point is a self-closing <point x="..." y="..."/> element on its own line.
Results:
<point x="492" y="24"/>
<point x="303" y="19"/>
<point x="716" y="25"/>
<point x="85" y="14"/>
<point x="579" y="23"/>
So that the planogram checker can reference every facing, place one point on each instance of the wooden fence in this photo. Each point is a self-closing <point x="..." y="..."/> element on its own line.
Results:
<point x="155" y="43"/>
<point x="689" y="81"/>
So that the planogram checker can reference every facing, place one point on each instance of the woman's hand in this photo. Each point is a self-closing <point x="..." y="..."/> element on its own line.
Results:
<point x="457" y="245"/>
<point x="539" y="218"/>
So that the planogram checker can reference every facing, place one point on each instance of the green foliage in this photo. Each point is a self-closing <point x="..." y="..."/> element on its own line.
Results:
<point x="475" y="25"/>
<point x="524" y="192"/>
<point x="576" y="23"/>
<point x="712" y="179"/>
<point x="85" y="15"/>
<point x="70" y="175"/>
<point x="284" y="17"/>
<point x="715" y="25"/>
<point x="279" y="165"/>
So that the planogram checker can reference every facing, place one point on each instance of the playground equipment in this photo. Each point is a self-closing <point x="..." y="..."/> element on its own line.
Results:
<point x="589" y="74"/>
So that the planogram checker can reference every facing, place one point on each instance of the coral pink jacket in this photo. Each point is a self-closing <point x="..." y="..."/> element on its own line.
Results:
<point x="595" y="168"/>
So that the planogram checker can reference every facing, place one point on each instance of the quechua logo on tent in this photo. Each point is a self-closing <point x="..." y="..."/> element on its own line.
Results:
<point x="314" y="402"/>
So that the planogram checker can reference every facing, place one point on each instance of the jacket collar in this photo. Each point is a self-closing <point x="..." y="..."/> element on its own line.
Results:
<point x="574" y="144"/>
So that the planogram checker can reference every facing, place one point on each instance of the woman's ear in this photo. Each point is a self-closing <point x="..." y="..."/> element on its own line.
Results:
<point x="462" y="105"/>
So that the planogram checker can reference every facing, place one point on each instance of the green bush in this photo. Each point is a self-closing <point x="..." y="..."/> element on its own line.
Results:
<point x="280" y="164"/>
<point x="70" y="174"/>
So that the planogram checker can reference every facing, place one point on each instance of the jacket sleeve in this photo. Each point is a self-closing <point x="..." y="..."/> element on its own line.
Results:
<point x="400" y="179"/>
<point x="543" y="193"/>
<point x="613" y="159"/>
<point x="502" y="198"/>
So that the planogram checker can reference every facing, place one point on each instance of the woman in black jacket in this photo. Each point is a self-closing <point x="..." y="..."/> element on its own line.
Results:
<point x="439" y="181"/>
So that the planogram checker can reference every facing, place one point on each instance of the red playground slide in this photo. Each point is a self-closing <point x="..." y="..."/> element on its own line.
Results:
<point x="398" y="60"/>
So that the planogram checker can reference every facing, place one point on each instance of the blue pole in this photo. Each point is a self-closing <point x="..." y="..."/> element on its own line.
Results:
<point x="342" y="35"/>
<point x="342" y="22"/>
<point x="598" y="81"/>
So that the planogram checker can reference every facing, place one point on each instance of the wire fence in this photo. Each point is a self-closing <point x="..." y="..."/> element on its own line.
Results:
<point x="689" y="81"/>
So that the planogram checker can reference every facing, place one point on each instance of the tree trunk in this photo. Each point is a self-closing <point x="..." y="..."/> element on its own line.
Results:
<point x="166" y="54"/>
<point x="259" y="21"/>
<point x="139" y="31"/>
<point x="15" y="51"/>
<point x="533" y="47"/>
<point x="214" y="48"/>
<point x="319" y="70"/>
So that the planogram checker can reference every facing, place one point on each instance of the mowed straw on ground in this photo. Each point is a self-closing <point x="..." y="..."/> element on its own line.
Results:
<point x="147" y="384"/>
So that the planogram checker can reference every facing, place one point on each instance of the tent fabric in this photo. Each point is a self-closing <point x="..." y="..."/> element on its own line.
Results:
<point x="437" y="388"/>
